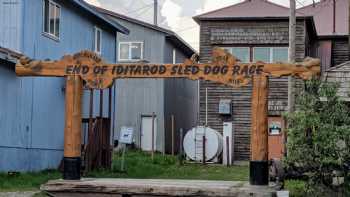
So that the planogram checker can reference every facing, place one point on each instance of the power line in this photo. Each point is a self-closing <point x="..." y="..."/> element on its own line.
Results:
<point x="185" y="29"/>
<point x="300" y="3"/>
<point x="141" y="8"/>
<point x="142" y="13"/>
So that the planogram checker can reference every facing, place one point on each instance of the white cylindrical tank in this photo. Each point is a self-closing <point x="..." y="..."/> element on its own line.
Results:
<point x="193" y="143"/>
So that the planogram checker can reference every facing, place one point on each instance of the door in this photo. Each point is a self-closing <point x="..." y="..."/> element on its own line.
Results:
<point x="146" y="133"/>
<point x="276" y="138"/>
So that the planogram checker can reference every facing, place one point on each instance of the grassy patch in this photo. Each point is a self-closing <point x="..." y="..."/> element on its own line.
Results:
<point x="140" y="165"/>
<point x="296" y="188"/>
<point x="26" y="181"/>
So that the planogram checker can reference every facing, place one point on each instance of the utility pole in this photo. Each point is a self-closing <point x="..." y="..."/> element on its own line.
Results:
<point x="334" y="17"/>
<point x="291" y="53"/>
<point x="349" y="28"/>
<point x="155" y="13"/>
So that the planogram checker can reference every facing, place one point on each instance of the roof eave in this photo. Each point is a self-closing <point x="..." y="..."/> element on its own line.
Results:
<point x="322" y="37"/>
<point x="247" y="18"/>
<point x="114" y="25"/>
<point x="189" y="51"/>
<point x="9" y="55"/>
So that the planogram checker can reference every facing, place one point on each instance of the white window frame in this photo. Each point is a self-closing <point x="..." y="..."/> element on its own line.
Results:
<point x="230" y="50"/>
<point x="174" y="56"/>
<point x="130" y="43"/>
<point x="270" y="51"/>
<point x="96" y="29"/>
<point x="53" y="36"/>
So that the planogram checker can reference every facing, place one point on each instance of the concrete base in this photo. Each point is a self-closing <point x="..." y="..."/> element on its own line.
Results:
<point x="152" y="187"/>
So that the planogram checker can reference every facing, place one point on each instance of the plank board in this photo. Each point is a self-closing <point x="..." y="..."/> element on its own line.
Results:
<point x="153" y="187"/>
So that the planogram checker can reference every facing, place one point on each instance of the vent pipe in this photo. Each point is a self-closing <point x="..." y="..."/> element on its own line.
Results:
<point x="155" y="13"/>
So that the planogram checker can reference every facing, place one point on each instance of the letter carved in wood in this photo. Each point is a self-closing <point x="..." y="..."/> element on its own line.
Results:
<point x="224" y="68"/>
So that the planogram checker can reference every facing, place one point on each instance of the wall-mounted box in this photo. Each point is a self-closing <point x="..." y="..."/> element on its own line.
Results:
<point x="225" y="107"/>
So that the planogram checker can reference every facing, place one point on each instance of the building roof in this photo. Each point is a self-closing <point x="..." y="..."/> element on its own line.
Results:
<point x="341" y="67"/>
<point x="170" y="35"/>
<point x="9" y="55"/>
<point x="85" y="6"/>
<point x="323" y="17"/>
<point x="248" y="9"/>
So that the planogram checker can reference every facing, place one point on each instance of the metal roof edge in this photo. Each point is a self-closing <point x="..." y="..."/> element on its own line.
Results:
<point x="338" y="66"/>
<point x="87" y="7"/>
<point x="169" y="33"/>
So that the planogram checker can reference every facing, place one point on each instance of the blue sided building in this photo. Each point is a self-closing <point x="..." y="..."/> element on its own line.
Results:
<point x="32" y="109"/>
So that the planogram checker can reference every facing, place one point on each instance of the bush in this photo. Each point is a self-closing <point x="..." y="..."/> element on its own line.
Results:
<point x="319" y="137"/>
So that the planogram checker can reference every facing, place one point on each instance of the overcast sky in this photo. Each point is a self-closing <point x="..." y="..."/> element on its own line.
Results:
<point x="175" y="14"/>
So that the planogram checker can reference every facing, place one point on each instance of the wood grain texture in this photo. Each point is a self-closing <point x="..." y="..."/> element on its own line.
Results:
<point x="153" y="187"/>
<point x="72" y="131"/>
<point x="259" y="133"/>
<point x="224" y="69"/>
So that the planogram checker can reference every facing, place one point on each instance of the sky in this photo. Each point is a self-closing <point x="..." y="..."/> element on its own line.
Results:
<point x="175" y="14"/>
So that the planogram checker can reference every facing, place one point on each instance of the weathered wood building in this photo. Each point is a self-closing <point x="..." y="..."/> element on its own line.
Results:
<point x="340" y="74"/>
<point x="257" y="30"/>
<point x="331" y="21"/>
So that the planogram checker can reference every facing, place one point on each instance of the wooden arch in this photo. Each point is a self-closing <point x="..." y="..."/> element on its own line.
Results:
<point x="224" y="68"/>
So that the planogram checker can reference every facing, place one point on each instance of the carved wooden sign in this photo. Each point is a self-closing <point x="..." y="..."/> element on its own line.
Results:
<point x="224" y="68"/>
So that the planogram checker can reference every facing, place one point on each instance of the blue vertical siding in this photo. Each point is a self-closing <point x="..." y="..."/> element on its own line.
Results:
<point x="32" y="138"/>
<point x="10" y="24"/>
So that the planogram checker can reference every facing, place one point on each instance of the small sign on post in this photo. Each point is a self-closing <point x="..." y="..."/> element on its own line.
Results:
<point x="126" y="137"/>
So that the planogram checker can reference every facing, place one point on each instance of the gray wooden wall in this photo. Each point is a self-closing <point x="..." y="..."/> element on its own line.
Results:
<point x="340" y="51"/>
<point x="136" y="97"/>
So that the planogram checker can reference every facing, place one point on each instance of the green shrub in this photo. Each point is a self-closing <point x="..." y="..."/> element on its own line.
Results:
<point x="319" y="136"/>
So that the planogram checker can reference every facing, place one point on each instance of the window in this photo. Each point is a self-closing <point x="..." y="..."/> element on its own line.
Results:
<point x="52" y="13"/>
<point x="130" y="51"/>
<point x="242" y="53"/>
<point x="174" y="56"/>
<point x="270" y="54"/>
<point x="98" y="40"/>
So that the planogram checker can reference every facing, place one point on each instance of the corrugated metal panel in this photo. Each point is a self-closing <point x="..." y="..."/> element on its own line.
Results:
<point x="10" y="24"/>
<point x="136" y="97"/>
<point x="180" y="100"/>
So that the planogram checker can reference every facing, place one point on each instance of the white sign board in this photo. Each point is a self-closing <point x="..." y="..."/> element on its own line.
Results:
<point x="126" y="135"/>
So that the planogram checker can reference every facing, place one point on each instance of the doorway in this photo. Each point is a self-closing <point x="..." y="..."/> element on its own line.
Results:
<point x="276" y="138"/>
<point x="146" y="133"/>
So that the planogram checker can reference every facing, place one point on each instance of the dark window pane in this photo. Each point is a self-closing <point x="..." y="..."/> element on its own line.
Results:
<point x="280" y="54"/>
<point x="97" y="40"/>
<point x="262" y="54"/>
<point x="46" y="16"/>
<point x="242" y="53"/>
<point x="124" y="51"/>
<point x="136" y="51"/>
<point x="52" y="19"/>
<point x="57" y="25"/>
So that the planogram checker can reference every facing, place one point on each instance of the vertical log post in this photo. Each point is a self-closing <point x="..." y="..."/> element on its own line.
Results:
<point x="259" y="174"/>
<point x="72" y="131"/>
